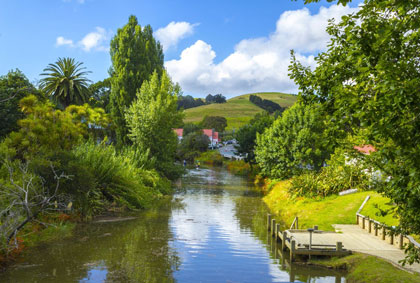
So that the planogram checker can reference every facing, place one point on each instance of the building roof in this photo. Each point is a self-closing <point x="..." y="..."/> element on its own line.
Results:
<point x="213" y="135"/>
<point x="365" y="149"/>
<point x="179" y="132"/>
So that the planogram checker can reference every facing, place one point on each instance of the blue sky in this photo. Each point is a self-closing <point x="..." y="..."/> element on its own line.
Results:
<point x="229" y="47"/>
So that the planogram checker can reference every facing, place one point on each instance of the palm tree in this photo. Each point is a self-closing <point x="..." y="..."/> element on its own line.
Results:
<point x="65" y="82"/>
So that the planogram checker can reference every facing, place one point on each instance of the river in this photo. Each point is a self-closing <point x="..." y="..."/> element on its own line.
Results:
<point x="213" y="229"/>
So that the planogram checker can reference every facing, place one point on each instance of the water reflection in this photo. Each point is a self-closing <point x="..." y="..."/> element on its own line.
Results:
<point x="220" y="234"/>
<point x="212" y="230"/>
<point x="127" y="251"/>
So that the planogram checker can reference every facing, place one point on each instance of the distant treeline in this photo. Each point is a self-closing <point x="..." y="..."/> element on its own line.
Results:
<point x="188" y="101"/>
<point x="266" y="104"/>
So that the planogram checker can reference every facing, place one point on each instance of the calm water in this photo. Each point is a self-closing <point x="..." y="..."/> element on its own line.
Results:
<point x="213" y="230"/>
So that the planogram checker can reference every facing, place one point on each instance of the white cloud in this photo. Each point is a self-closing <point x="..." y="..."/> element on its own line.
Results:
<point x="63" y="41"/>
<point x="257" y="64"/>
<point x="97" y="40"/>
<point x="175" y="31"/>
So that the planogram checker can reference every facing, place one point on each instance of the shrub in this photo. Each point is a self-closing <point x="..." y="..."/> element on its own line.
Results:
<point x="211" y="157"/>
<point x="338" y="176"/>
<point x="118" y="177"/>
<point x="239" y="167"/>
<point x="217" y="123"/>
<point x="192" y="145"/>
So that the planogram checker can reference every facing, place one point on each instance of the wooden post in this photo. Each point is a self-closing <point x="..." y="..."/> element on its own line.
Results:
<point x="273" y="227"/>
<point x="370" y="225"/>
<point x="297" y="222"/>
<point x="401" y="241"/>
<point x="283" y="243"/>
<point x="383" y="232"/>
<point x="376" y="228"/>
<point x="391" y="241"/>
<point x="357" y="219"/>
<point x="363" y="223"/>
<point x="339" y="246"/>
<point x="268" y="221"/>
<point x="277" y="232"/>
<point x="292" y="249"/>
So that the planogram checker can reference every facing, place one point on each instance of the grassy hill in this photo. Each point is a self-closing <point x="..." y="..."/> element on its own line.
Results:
<point x="237" y="110"/>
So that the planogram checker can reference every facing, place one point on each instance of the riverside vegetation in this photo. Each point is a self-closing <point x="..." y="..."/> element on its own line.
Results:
<point x="362" y="94"/>
<point x="58" y="165"/>
<point x="71" y="150"/>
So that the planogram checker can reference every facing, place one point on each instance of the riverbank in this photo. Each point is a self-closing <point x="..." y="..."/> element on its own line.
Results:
<point x="214" y="219"/>
<point x="55" y="227"/>
<point x="325" y="212"/>
<point x="366" y="268"/>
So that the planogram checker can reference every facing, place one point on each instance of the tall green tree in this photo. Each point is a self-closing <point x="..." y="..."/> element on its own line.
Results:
<point x="151" y="120"/>
<point x="65" y="82"/>
<point x="370" y="77"/>
<point x="101" y="92"/>
<point x="135" y="55"/>
<point x="247" y="135"/>
<point x="297" y="140"/>
<point x="13" y="87"/>
<point x="217" y="123"/>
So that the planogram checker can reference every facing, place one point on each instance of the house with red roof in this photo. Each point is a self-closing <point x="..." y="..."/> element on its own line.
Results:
<point x="366" y="149"/>
<point x="373" y="173"/>
<point x="210" y="133"/>
<point x="179" y="133"/>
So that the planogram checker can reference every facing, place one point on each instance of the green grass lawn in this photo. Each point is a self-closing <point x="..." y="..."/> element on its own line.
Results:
<point x="238" y="110"/>
<point x="366" y="268"/>
<point x="322" y="212"/>
<point x="373" y="209"/>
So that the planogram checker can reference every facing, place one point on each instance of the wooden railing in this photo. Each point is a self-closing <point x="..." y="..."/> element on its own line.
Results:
<point x="383" y="231"/>
<point x="295" y="223"/>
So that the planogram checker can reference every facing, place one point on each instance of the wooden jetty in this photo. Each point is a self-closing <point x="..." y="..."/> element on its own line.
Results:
<point x="302" y="241"/>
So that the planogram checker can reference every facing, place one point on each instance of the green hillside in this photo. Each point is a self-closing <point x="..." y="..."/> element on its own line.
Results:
<point x="238" y="110"/>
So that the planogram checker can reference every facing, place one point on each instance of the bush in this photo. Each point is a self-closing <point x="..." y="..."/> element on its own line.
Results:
<point x="297" y="141"/>
<point x="211" y="157"/>
<point x="118" y="177"/>
<point x="192" y="145"/>
<point x="217" y="123"/>
<point x="332" y="179"/>
<point x="239" y="167"/>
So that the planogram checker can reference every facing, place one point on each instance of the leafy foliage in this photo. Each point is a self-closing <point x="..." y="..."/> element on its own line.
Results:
<point x="342" y="172"/>
<point x="192" y="145"/>
<point x="65" y="82"/>
<point x="46" y="130"/>
<point x="369" y="77"/>
<point x="298" y="140"/>
<point x="135" y="55"/>
<point x="100" y="92"/>
<point x="118" y="177"/>
<point x="13" y="87"/>
<point x="217" y="123"/>
<point x="151" y="119"/>
<point x="190" y="128"/>
<point x="247" y="135"/>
